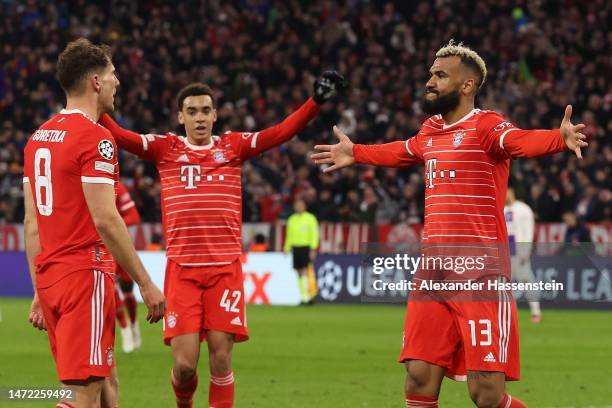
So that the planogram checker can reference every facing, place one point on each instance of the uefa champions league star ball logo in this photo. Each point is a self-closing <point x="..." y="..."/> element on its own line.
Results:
<point x="106" y="149"/>
<point x="329" y="276"/>
<point x="458" y="138"/>
<point x="171" y="320"/>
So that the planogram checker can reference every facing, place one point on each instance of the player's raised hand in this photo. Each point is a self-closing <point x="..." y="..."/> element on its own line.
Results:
<point x="327" y="86"/>
<point x="339" y="155"/>
<point x="155" y="301"/>
<point x="36" y="315"/>
<point x="574" y="140"/>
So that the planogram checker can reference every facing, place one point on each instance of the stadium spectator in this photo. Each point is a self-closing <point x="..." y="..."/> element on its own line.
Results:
<point x="262" y="58"/>
<point x="260" y="244"/>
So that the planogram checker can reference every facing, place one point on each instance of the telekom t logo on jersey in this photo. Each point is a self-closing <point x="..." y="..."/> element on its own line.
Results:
<point x="190" y="173"/>
<point x="431" y="173"/>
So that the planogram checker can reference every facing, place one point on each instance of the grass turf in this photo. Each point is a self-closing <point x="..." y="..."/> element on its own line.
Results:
<point x="331" y="356"/>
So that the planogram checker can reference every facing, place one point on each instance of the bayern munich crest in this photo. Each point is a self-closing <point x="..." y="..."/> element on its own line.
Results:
<point x="106" y="149"/>
<point x="458" y="138"/>
<point x="109" y="356"/>
<point x="171" y="320"/>
<point x="219" y="156"/>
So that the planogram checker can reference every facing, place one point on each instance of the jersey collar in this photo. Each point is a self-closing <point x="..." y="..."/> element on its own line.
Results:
<point x="469" y="115"/>
<point x="196" y="147"/>
<point x="75" y="111"/>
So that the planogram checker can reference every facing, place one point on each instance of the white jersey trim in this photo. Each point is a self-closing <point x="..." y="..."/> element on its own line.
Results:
<point x="26" y="180"/>
<point x="126" y="206"/>
<point x="503" y="135"/>
<point x="145" y="143"/>
<point x="78" y="112"/>
<point x="97" y="180"/>
<point x="196" y="147"/>
<point x="453" y="151"/>
<point x="408" y="148"/>
<point x="466" y="117"/>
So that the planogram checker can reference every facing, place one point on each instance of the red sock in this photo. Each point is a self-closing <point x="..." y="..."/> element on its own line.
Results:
<point x="418" y="401"/>
<point x="64" y="405"/>
<point x="511" y="402"/>
<point x="130" y="304"/>
<point x="184" y="393"/>
<point x="221" y="393"/>
<point x="119" y="309"/>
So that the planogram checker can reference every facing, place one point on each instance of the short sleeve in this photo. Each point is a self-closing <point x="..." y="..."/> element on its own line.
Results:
<point x="26" y="159"/>
<point x="493" y="128"/>
<point x="98" y="157"/>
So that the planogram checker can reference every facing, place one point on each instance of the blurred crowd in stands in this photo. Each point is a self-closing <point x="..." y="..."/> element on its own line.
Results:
<point x="262" y="56"/>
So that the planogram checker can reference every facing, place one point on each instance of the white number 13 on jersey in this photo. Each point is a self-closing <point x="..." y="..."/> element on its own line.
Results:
<point x="43" y="180"/>
<point x="227" y="304"/>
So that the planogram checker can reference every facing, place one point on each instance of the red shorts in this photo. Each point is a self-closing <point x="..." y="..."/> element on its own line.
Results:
<point x="199" y="299"/>
<point x="462" y="336"/>
<point x="80" y="314"/>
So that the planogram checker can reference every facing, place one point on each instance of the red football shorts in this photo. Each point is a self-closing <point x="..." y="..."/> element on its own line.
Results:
<point x="80" y="314"/>
<point x="199" y="299"/>
<point x="462" y="336"/>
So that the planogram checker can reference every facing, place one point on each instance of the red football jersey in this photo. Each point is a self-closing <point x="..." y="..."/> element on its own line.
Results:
<point x="466" y="171"/>
<point x="66" y="151"/>
<point x="126" y="206"/>
<point x="202" y="187"/>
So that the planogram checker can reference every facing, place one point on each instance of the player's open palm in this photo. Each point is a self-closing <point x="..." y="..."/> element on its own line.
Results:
<point x="574" y="140"/>
<point x="155" y="301"/>
<point x="338" y="156"/>
<point x="36" y="315"/>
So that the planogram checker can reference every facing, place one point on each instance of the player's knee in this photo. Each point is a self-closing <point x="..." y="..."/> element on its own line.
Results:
<point x="184" y="370"/>
<point x="417" y="378"/>
<point x="486" y="396"/>
<point x="220" y="361"/>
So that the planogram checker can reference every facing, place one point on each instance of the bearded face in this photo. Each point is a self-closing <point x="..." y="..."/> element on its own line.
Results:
<point x="434" y="102"/>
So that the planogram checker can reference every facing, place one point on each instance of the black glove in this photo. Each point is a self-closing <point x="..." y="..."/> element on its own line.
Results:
<point x="327" y="86"/>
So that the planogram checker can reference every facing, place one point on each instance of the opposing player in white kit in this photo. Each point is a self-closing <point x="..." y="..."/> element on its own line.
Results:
<point x="520" y="222"/>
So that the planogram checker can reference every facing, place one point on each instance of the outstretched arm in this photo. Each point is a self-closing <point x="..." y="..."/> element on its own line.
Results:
<point x="253" y="144"/>
<point x="345" y="153"/>
<point x="538" y="142"/>
<point x="325" y="89"/>
<point x="147" y="147"/>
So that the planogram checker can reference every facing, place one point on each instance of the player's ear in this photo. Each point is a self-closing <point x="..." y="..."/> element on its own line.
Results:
<point x="95" y="82"/>
<point x="181" y="118"/>
<point x="468" y="86"/>
<point x="214" y="118"/>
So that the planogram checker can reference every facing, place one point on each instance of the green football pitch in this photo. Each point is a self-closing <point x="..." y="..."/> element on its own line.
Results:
<point x="331" y="356"/>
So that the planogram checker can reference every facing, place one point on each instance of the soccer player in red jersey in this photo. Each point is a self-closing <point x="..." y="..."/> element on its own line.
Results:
<point x="73" y="231"/>
<point x="466" y="153"/>
<point x="202" y="216"/>
<point x="124" y="290"/>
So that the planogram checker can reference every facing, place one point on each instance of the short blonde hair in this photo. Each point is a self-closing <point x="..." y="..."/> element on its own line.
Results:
<point x="468" y="57"/>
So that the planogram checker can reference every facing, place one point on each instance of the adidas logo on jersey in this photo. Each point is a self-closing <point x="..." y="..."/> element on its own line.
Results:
<point x="490" y="358"/>
<point x="430" y="142"/>
<point x="236" y="321"/>
<point x="183" y="158"/>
